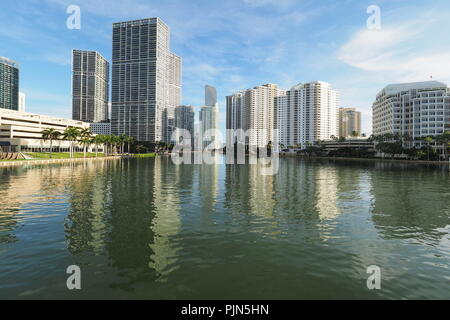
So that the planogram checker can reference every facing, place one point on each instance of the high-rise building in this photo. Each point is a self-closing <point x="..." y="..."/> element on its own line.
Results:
<point x="185" y="119"/>
<point x="209" y="119"/>
<point x="254" y="111"/>
<point x="22" y="101"/>
<point x="349" y="122"/>
<point x="417" y="109"/>
<point x="9" y="84"/>
<point x="103" y="128"/>
<point x="307" y="114"/>
<point x="90" y="86"/>
<point x="146" y="80"/>
<point x="210" y="96"/>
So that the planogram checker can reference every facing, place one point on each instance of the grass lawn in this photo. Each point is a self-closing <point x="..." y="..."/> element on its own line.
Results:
<point x="144" y="155"/>
<point x="60" y="155"/>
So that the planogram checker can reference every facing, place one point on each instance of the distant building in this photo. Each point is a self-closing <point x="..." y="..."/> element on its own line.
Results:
<point x="349" y="122"/>
<point x="185" y="119"/>
<point x="353" y="144"/>
<point x="210" y="96"/>
<point x="307" y="114"/>
<point x="209" y="119"/>
<point x="146" y="80"/>
<point x="90" y="86"/>
<point x="254" y="111"/>
<point x="23" y="131"/>
<point x="103" y="128"/>
<point x="22" y="102"/>
<point x="9" y="84"/>
<point x="418" y="109"/>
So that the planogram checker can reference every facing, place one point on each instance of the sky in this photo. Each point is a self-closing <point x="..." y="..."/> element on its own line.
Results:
<point x="239" y="44"/>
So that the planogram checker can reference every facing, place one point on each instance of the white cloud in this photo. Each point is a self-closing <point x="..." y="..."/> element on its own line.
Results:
<point x="403" y="52"/>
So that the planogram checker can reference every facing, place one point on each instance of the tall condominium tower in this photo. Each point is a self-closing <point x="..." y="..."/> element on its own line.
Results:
<point x="185" y="119"/>
<point x="418" y="109"/>
<point x="254" y="111"/>
<point x="146" y="81"/>
<point x="9" y="84"/>
<point x="209" y="119"/>
<point x="349" y="122"/>
<point x="308" y="114"/>
<point x="90" y="86"/>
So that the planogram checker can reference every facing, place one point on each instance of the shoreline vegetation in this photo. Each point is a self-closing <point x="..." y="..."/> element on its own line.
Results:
<point x="44" y="158"/>
<point x="385" y="160"/>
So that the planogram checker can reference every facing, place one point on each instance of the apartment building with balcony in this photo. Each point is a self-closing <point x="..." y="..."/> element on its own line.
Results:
<point x="255" y="112"/>
<point x="416" y="110"/>
<point x="307" y="113"/>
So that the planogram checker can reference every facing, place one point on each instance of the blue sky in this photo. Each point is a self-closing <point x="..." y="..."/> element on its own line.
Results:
<point x="238" y="44"/>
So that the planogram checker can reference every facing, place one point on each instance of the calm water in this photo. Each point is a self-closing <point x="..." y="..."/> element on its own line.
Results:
<point x="147" y="229"/>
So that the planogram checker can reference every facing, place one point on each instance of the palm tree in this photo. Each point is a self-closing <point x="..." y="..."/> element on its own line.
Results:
<point x="96" y="141"/>
<point x="108" y="143"/>
<point x="355" y="134"/>
<point x="444" y="140"/>
<point x="130" y="141"/>
<point x="85" y="135"/>
<point x="50" y="134"/>
<point x="85" y="142"/>
<point x="428" y="141"/>
<point x="71" y="134"/>
<point x="122" y="140"/>
<point x="104" y="139"/>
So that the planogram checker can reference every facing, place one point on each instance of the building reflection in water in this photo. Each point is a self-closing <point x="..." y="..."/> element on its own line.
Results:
<point x="208" y="188"/>
<point x="410" y="205"/>
<point x="23" y="190"/>
<point x="86" y="223"/>
<point x="166" y="222"/>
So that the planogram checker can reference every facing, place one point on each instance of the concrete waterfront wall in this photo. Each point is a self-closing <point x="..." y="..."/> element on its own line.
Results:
<point x="52" y="161"/>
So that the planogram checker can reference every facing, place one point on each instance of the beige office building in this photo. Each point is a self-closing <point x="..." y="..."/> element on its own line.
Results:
<point x="254" y="111"/>
<point x="349" y="122"/>
<point x="23" y="131"/>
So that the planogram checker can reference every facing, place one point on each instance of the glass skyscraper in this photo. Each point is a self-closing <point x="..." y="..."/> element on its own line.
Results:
<point x="9" y="84"/>
<point x="90" y="86"/>
<point x="146" y="81"/>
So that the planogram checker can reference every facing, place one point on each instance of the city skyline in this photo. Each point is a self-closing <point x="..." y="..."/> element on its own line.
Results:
<point x="341" y="50"/>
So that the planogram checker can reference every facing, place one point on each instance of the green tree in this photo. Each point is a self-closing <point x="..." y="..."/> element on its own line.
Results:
<point x="129" y="141"/>
<point x="444" y="140"/>
<point x="50" y="134"/>
<point x="122" y="139"/>
<point x="96" y="141"/>
<point x="85" y="142"/>
<point x="71" y="134"/>
<point x="85" y="135"/>
<point x="428" y="140"/>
